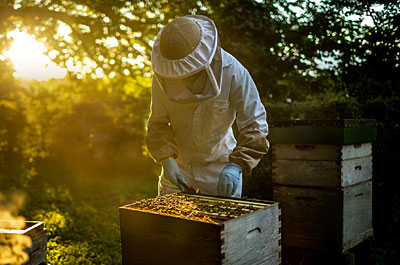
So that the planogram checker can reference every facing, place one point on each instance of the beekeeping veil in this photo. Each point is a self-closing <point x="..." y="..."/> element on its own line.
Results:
<point x="186" y="59"/>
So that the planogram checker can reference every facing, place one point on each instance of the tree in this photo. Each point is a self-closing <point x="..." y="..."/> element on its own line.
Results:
<point x="368" y="55"/>
<point x="117" y="35"/>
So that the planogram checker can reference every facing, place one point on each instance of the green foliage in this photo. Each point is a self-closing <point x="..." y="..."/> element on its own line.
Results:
<point x="64" y="142"/>
<point x="11" y="122"/>
<point x="81" y="215"/>
<point x="324" y="107"/>
<point x="368" y="54"/>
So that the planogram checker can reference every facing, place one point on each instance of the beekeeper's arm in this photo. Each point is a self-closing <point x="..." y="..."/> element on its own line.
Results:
<point x="160" y="139"/>
<point x="251" y="122"/>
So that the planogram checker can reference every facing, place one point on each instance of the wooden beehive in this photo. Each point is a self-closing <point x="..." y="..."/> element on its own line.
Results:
<point x="332" y="220"/>
<point x="322" y="175"/>
<point x="321" y="165"/>
<point x="251" y="237"/>
<point x="36" y="231"/>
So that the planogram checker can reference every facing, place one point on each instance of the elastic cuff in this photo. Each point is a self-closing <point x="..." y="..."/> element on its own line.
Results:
<point x="239" y="167"/>
<point x="244" y="168"/>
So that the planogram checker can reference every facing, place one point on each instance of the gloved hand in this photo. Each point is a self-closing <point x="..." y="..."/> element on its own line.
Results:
<point x="229" y="180"/>
<point x="173" y="173"/>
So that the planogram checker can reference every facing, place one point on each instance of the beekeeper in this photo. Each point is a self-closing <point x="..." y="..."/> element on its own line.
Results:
<point x="198" y="92"/>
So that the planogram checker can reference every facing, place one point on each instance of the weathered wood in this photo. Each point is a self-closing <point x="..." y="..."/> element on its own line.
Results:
<point x="320" y="151"/>
<point x="322" y="173"/>
<point x="306" y="152"/>
<point x="252" y="239"/>
<point x="357" y="214"/>
<point x="306" y="173"/>
<point x="36" y="231"/>
<point x="356" y="170"/>
<point x="325" y="219"/>
<point x="158" y="239"/>
<point x="152" y="238"/>
<point x="310" y="217"/>
<point x="321" y="165"/>
<point x="351" y="151"/>
<point x="38" y="251"/>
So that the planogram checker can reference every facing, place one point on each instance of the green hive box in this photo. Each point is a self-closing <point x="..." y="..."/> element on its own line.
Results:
<point x="338" y="132"/>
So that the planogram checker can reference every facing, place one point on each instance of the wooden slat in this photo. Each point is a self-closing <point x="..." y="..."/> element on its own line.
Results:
<point x="38" y="251"/>
<point x="157" y="239"/>
<point x="237" y="201"/>
<point x="356" y="170"/>
<point x="351" y="151"/>
<point x="325" y="219"/>
<point x="306" y="151"/>
<point x="321" y="151"/>
<point x="322" y="173"/>
<point x="253" y="238"/>
<point x="357" y="214"/>
<point x="311" y="218"/>
<point x="306" y="173"/>
<point x="151" y="238"/>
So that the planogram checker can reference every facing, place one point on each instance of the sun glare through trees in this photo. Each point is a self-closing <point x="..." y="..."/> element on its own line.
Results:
<point x="29" y="59"/>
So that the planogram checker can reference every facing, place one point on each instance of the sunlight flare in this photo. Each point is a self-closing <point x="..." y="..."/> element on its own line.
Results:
<point x="29" y="60"/>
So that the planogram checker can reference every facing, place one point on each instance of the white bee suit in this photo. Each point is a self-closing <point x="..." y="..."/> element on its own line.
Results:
<point x="196" y="128"/>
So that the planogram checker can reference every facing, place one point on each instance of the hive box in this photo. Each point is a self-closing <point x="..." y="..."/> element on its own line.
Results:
<point x="322" y="176"/>
<point x="153" y="238"/>
<point x="36" y="231"/>
<point x="321" y="165"/>
<point x="325" y="219"/>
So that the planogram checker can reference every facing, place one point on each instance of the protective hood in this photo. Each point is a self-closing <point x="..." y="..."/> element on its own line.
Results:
<point x="195" y="77"/>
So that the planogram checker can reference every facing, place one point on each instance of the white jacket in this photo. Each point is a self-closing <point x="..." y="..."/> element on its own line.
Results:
<point x="200" y="136"/>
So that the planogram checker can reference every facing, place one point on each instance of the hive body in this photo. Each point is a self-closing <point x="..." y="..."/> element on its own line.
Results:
<point x="36" y="231"/>
<point x="250" y="237"/>
<point x="324" y="183"/>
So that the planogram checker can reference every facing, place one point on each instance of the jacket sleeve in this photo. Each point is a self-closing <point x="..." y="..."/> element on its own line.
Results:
<point x="160" y="139"/>
<point x="251" y="121"/>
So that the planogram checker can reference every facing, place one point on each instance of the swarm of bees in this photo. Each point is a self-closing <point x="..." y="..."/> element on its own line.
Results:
<point x="199" y="208"/>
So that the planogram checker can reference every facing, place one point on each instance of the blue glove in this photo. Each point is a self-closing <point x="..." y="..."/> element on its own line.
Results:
<point x="229" y="180"/>
<point x="173" y="173"/>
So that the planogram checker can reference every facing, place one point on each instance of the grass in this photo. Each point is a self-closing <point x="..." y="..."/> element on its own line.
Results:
<point x="81" y="214"/>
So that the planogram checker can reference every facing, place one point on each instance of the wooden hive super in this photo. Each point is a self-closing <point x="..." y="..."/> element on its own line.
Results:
<point x="36" y="231"/>
<point x="322" y="175"/>
<point x="236" y="231"/>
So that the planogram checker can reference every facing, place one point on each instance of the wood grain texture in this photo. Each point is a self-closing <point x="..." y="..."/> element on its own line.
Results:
<point x="306" y="151"/>
<point x="36" y="231"/>
<point x="322" y="165"/>
<point x="321" y="151"/>
<point x="351" y="151"/>
<point x="357" y="214"/>
<point x="152" y="238"/>
<point x="158" y="239"/>
<point x="310" y="217"/>
<point x="38" y="251"/>
<point x="356" y="170"/>
<point x="306" y="173"/>
<point x="253" y="238"/>
<point x="325" y="219"/>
